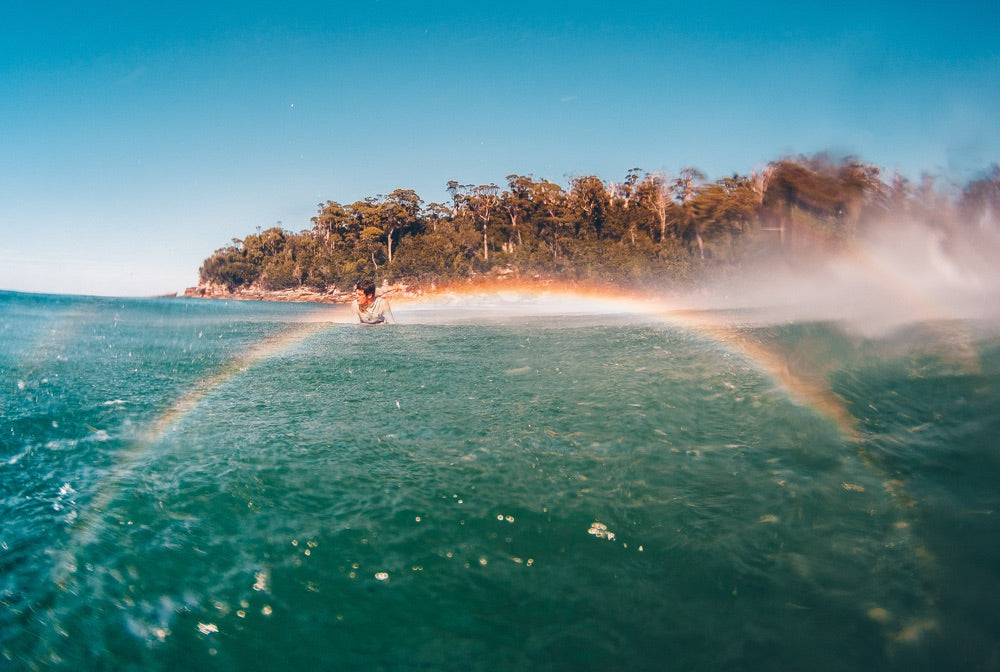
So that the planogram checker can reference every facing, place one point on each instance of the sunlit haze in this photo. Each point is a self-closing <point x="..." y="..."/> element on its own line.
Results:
<point x="137" y="139"/>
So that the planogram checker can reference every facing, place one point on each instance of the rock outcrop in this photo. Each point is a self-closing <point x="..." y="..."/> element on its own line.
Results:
<point x="297" y="294"/>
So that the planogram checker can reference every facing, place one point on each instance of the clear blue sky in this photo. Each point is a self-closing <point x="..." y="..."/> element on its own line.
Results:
<point x="136" y="139"/>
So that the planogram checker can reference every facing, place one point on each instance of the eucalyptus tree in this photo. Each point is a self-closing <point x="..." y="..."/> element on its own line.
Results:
<point x="551" y="201"/>
<point x="257" y="248"/>
<point x="365" y="232"/>
<point x="624" y="192"/>
<point x="370" y="241"/>
<point x="724" y="207"/>
<point x="435" y="213"/>
<point x="589" y="200"/>
<point x="331" y="222"/>
<point x="482" y="202"/>
<point x="398" y="211"/>
<point x="459" y="195"/>
<point x="653" y="195"/>
<point x="686" y="184"/>
<point x="684" y="187"/>
<point x="550" y="210"/>
<point x="622" y="221"/>
<point x="518" y="204"/>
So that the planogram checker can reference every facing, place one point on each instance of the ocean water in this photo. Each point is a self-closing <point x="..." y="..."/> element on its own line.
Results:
<point x="210" y="485"/>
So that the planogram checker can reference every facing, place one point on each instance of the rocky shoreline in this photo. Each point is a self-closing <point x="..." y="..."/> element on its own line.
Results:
<point x="296" y="295"/>
<point x="401" y="290"/>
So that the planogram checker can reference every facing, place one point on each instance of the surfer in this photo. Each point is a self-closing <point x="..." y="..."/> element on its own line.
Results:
<point x="369" y="309"/>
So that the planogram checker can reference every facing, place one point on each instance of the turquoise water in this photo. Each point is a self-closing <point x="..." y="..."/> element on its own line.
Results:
<point x="252" y="486"/>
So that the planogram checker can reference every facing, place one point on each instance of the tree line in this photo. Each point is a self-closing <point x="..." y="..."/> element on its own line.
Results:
<point x="646" y="228"/>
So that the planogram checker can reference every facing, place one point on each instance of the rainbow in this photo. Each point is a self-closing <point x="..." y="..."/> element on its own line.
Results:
<point x="129" y="458"/>
<point x="487" y="303"/>
<point x="526" y="301"/>
<point x="871" y="284"/>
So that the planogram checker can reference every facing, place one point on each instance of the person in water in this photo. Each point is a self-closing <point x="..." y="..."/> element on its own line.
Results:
<point x="369" y="309"/>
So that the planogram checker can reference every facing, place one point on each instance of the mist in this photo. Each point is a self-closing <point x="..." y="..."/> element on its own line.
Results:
<point x="899" y="272"/>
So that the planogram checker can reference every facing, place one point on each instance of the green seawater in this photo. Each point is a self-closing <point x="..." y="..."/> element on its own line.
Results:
<point x="207" y="485"/>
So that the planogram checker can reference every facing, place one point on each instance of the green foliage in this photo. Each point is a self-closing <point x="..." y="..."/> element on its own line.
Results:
<point x="229" y="267"/>
<point x="643" y="230"/>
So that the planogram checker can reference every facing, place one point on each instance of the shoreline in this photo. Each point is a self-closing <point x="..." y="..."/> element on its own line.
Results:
<point x="298" y="295"/>
<point x="399" y="290"/>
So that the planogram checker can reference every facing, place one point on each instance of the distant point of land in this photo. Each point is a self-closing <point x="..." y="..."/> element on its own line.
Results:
<point x="645" y="231"/>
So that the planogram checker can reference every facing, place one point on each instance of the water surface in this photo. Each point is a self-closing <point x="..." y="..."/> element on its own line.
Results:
<point x="233" y="486"/>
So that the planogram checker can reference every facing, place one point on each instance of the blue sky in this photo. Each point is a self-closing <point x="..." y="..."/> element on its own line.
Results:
<point x="135" y="140"/>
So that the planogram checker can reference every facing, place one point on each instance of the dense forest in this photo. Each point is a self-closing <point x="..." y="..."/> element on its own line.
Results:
<point x="647" y="228"/>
